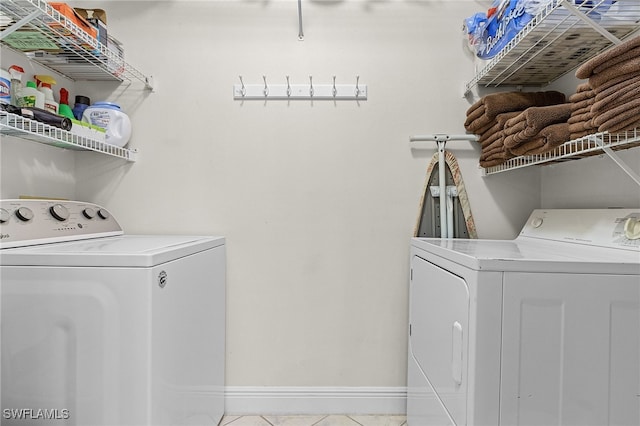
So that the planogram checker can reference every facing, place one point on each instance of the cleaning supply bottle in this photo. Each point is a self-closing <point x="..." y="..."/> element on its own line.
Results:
<point x="108" y="116"/>
<point x="30" y="96"/>
<point x="64" y="109"/>
<point x="5" y="87"/>
<point x="16" y="82"/>
<point x="82" y="102"/>
<point x="45" y="82"/>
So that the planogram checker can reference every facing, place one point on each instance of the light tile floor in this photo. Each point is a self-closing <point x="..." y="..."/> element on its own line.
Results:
<point x="319" y="420"/>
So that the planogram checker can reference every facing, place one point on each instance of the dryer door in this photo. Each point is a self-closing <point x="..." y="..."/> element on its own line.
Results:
<point x="439" y="318"/>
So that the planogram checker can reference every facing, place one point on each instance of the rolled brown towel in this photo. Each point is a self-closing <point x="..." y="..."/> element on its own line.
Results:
<point x="609" y="56"/>
<point x="496" y="130"/>
<point x="549" y="138"/>
<point x="531" y="121"/>
<point x="497" y="103"/>
<point x="630" y="66"/>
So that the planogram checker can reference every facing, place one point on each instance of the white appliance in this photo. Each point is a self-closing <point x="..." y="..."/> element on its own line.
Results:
<point x="102" y="328"/>
<point x="540" y="330"/>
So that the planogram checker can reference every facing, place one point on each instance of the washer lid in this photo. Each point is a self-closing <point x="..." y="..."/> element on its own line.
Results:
<point x="531" y="255"/>
<point x="120" y="251"/>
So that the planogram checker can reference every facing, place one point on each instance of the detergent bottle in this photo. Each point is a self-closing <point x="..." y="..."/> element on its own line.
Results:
<point x="45" y="82"/>
<point x="30" y="96"/>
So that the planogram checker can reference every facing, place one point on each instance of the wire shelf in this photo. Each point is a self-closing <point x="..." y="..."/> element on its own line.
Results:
<point x="77" y="55"/>
<point x="556" y="41"/>
<point x="24" y="128"/>
<point x="579" y="148"/>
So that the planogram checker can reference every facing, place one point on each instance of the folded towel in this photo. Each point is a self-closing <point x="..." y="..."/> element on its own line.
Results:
<point x="582" y="95"/>
<point x="531" y="121"/>
<point x="496" y="130"/>
<point x="549" y="138"/>
<point x="624" y="126"/>
<point x="618" y="88"/>
<point x="491" y="163"/>
<point x="618" y="114"/>
<point x="497" y="103"/>
<point x="613" y="126"/>
<point x="581" y="110"/>
<point x="609" y="56"/>
<point x="616" y="99"/>
<point x="616" y="81"/>
<point x="583" y="87"/>
<point x="630" y="66"/>
<point x="583" y="126"/>
<point x="579" y="118"/>
<point x="586" y="103"/>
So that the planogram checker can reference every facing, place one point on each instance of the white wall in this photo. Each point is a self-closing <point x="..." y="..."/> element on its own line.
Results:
<point x="317" y="200"/>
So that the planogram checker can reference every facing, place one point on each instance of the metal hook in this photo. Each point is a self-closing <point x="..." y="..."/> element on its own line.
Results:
<point x="311" y="86"/>
<point x="243" y="90"/>
<point x="266" y="88"/>
<point x="335" y="91"/>
<point x="288" y="87"/>
<point x="357" y="86"/>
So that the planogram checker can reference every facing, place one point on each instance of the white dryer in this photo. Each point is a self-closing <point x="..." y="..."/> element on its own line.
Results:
<point x="540" y="330"/>
<point x="102" y="328"/>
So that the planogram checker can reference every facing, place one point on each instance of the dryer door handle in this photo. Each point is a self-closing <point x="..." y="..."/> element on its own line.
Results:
<point x="456" y="353"/>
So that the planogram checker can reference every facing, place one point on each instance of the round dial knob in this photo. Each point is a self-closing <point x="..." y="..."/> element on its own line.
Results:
<point x="103" y="214"/>
<point x="4" y="216"/>
<point x="89" y="213"/>
<point x="59" y="211"/>
<point x="632" y="228"/>
<point x="24" y="214"/>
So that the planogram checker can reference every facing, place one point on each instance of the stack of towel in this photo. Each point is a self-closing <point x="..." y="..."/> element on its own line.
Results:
<point x="614" y="84"/>
<point x="489" y="116"/>
<point x="581" y="120"/>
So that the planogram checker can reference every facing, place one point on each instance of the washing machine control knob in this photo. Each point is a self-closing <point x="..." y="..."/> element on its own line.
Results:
<point x="24" y="214"/>
<point x="103" y="214"/>
<point x="89" y="213"/>
<point x="59" y="212"/>
<point x="537" y="222"/>
<point x="4" y="216"/>
<point x="632" y="228"/>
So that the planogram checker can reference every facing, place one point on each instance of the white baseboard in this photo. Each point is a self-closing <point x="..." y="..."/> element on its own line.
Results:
<point x="286" y="400"/>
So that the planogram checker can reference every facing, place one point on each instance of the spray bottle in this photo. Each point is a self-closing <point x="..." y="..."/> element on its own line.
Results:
<point x="64" y="109"/>
<point x="16" y="83"/>
<point x="45" y="82"/>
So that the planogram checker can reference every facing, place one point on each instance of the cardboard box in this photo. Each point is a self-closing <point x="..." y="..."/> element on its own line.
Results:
<point x="70" y="14"/>
<point x="97" y="18"/>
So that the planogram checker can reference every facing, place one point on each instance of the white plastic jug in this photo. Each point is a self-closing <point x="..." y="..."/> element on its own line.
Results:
<point x="109" y="116"/>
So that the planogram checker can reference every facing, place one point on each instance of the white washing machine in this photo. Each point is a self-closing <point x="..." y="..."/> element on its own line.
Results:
<point x="102" y="328"/>
<point x="540" y="330"/>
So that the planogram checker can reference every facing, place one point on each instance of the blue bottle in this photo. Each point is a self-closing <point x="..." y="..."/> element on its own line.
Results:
<point x="82" y="103"/>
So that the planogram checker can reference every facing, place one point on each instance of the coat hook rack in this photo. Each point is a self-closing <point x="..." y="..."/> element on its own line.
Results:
<point x="308" y="91"/>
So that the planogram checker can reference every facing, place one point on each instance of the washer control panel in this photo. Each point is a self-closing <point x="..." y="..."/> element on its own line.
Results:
<point x="40" y="221"/>
<point x="614" y="228"/>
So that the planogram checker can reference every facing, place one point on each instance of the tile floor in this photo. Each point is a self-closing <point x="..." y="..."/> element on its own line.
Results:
<point x="319" y="420"/>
